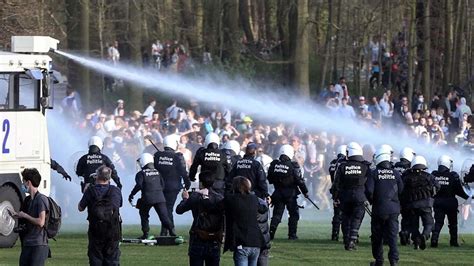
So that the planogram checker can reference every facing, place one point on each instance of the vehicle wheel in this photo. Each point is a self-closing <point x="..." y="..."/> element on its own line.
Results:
<point x="9" y="200"/>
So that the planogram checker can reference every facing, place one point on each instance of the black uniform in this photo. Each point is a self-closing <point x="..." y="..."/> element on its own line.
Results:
<point x="172" y="168"/>
<point x="337" y="217"/>
<point x="253" y="170"/>
<point x="446" y="204"/>
<point x="402" y="166"/>
<point x="214" y="160"/>
<point x="232" y="158"/>
<point x="58" y="168"/>
<point x="349" y="190"/>
<point x="419" y="190"/>
<point x="151" y="184"/>
<point x="383" y="188"/>
<point x="89" y="163"/>
<point x="285" y="175"/>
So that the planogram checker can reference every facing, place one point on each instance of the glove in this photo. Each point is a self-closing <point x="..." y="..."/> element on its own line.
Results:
<point x="67" y="177"/>
<point x="130" y="198"/>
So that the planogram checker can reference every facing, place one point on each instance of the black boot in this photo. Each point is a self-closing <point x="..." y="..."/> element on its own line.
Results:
<point x="434" y="240"/>
<point x="422" y="242"/>
<point x="172" y="232"/>
<point x="164" y="231"/>
<point x="144" y="236"/>
<point x="453" y="242"/>
<point x="453" y="232"/>
<point x="272" y="232"/>
<point x="404" y="238"/>
<point x="351" y="246"/>
<point x="335" y="237"/>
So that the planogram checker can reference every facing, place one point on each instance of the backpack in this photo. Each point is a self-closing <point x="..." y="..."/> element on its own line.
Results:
<point x="104" y="218"/>
<point x="53" y="216"/>
<point x="53" y="224"/>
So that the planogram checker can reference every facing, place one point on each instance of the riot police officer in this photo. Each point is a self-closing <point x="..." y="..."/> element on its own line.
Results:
<point x="445" y="203"/>
<point x="383" y="189"/>
<point x="251" y="169"/>
<point x="337" y="217"/>
<point x="232" y="150"/>
<point x="285" y="175"/>
<point x="406" y="156"/>
<point x="420" y="187"/>
<point x="212" y="159"/>
<point x="172" y="168"/>
<point x="90" y="162"/>
<point x="151" y="184"/>
<point x="349" y="192"/>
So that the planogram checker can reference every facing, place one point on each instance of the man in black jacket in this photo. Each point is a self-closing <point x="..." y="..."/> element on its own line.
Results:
<point x="349" y="191"/>
<point x="285" y="175"/>
<point x="90" y="162"/>
<point x="337" y="217"/>
<point x="406" y="156"/>
<point x="172" y="168"/>
<point x="206" y="233"/>
<point x="445" y="203"/>
<point x="420" y="187"/>
<point x="383" y="189"/>
<point x="150" y="183"/>
<point x="211" y="159"/>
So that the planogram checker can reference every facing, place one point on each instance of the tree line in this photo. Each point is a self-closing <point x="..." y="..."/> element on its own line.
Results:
<point x="312" y="42"/>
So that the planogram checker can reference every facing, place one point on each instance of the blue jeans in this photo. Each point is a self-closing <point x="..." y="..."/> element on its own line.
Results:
<point x="204" y="252"/>
<point x="246" y="256"/>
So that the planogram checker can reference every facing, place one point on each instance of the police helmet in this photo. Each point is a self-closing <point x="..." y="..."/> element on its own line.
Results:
<point x="446" y="161"/>
<point x="96" y="141"/>
<point x="233" y="145"/>
<point x="407" y="153"/>
<point x="341" y="150"/>
<point x="145" y="159"/>
<point x="287" y="150"/>
<point x="385" y="148"/>
<point x="171" y="141"/>
<point x="419" y="163"/>
<point x="212" y="138"/>
<point x="382" y="155"/>
<point x="354" y="149"/>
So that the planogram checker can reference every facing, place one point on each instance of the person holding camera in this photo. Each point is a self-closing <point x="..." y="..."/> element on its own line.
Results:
<point x="32" y="221"/>
<point x="207" y="230"/>
<point x="103" y="202"/>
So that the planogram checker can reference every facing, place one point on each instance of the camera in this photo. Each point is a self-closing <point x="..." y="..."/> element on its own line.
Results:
<point x="21" y="228"/>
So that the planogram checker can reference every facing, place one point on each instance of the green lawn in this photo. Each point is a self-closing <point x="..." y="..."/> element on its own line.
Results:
<point x="313" y="248"/>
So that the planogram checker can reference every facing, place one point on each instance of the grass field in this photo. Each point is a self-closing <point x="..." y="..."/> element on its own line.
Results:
<point x="313" y="248"/>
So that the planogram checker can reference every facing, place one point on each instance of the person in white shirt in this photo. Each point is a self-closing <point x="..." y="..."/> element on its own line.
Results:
<point x="150" y="109"/>
<point x="113" y="53"/>
<point x="120" y="104"/>
<point x="346" y="110"/>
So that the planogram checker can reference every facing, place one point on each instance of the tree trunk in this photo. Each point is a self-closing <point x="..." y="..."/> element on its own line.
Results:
<point x="411" y="48"/>
<point x="230" y="28"/>
<point x="135" y="93"/>
<point x="85" y="74"/>
<point x="301" y="62"/>
<point x="456" y="70"/>
<point x="336" y="41"/>
<point x="189" y="28"/>
<point x="245" y="20"/>
<point x="261" y="19"/>
<point x="327" y="46"/>
<point x="268" y="19"/>
<point x="211" y="22"/>
<point x="426" y="50"/>
<point x="448" y="36"/>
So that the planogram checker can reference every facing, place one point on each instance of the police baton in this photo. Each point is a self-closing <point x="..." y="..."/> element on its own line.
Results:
<point x="151" y="141"/>
<point x="312" y="202"/>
